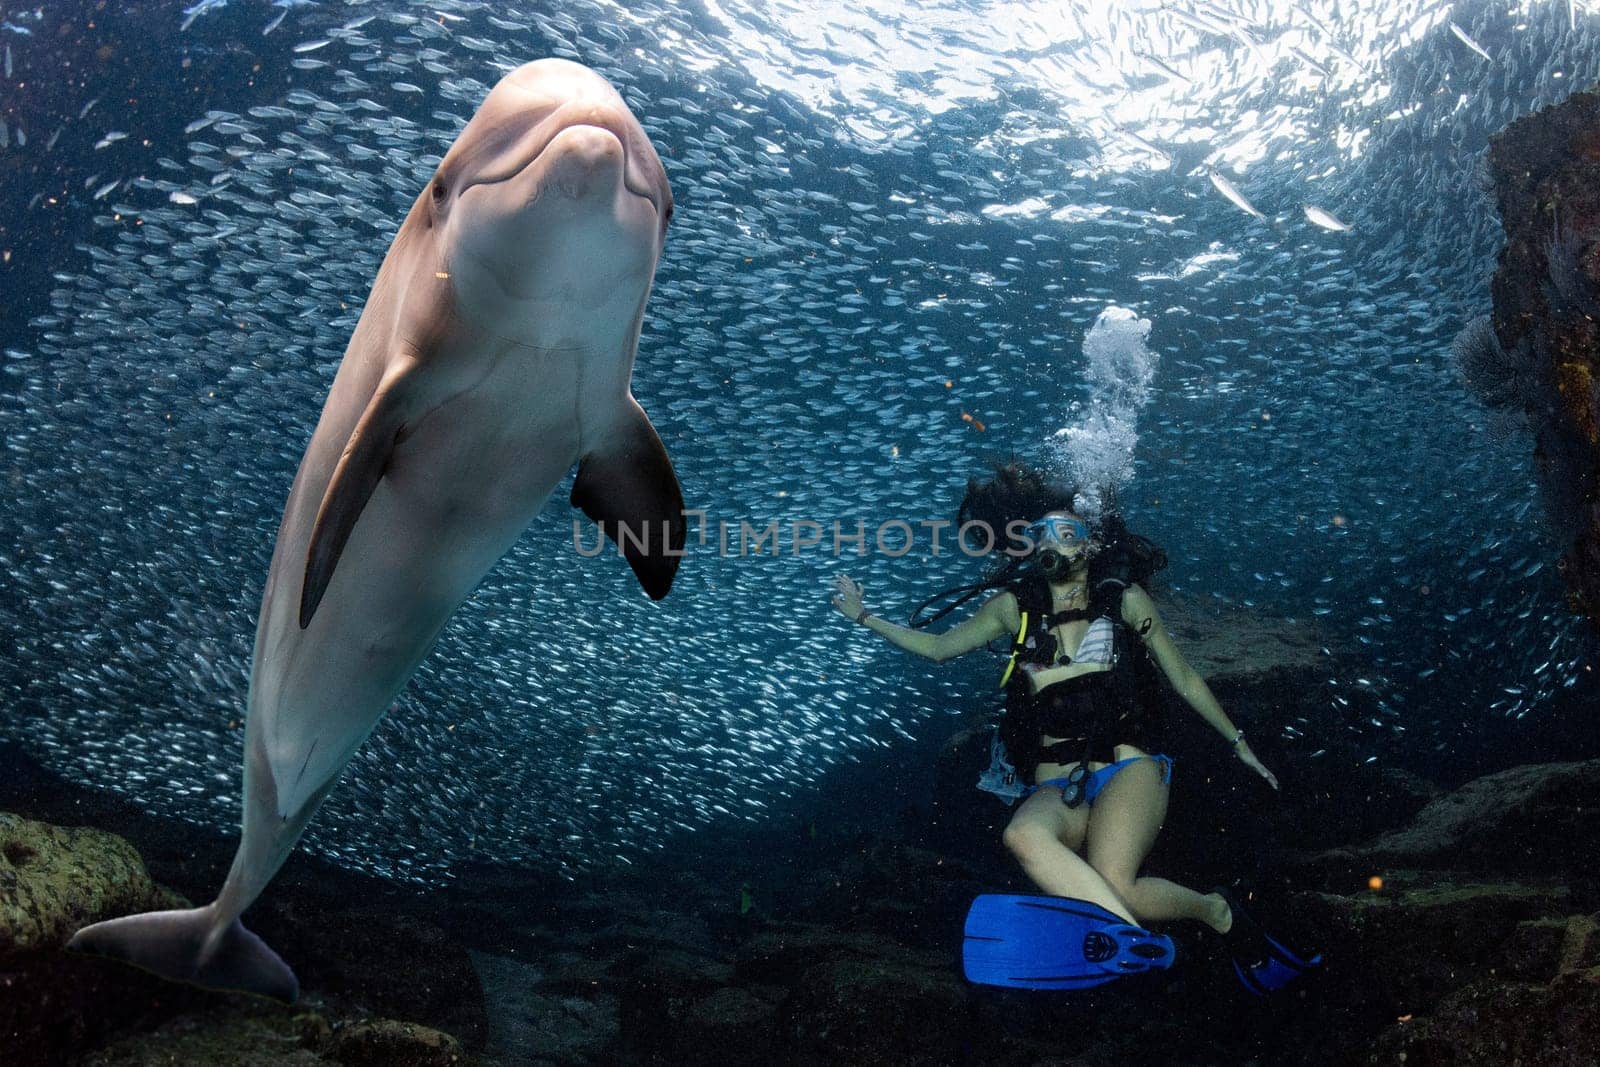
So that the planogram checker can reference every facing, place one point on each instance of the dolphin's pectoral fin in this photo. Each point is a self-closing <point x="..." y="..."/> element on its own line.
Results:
<point x="628" y="487"/>
<point x="366" y="457"/>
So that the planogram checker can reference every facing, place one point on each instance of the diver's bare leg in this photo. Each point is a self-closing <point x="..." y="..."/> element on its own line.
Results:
<point x="1042" y="835"/>
<point x="1123" y="824"/>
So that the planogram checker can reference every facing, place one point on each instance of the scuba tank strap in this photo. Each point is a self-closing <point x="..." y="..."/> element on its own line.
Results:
<point x="1055" y="619"/>
<point x="1033" y="627"/>
<point x="1107" y="600"/>
<point x="1018" y="643"/>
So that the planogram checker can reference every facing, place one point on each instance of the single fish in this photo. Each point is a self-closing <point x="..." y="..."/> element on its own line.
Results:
<point x="1322" y="218"/>
<point x="1306" y="58"/>
<point x="1226" y="188"/>
<point x="495" y="350"/>
<point x="1148" y="146"/>
<point x="1166" y="69"/>
<point x="1195" y="22"/>
<point x="1469" y="42"/>
<point x="193" y="12"/>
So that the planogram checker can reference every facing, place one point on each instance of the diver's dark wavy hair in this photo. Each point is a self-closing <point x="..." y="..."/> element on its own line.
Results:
<point x="1014" y="491"/>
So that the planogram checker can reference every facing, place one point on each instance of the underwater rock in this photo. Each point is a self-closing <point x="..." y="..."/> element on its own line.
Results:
<point x="1448" y="967"/>
<point x="777" y="955"/>
<point x="1535" y="818"/>
<point x="1546" y="170"/>
<point x="388" y="1043"/>
<point x="55" y="879"/>
<point x="1426" y="942"/>
<point x="658" y="992"/>
<point x="1546" y="950"/>
<point x="1501" y="1022"/>
<point x="245" y="1032"/>
<point x="675" y="1007"/>
<point x="1232" y="644"/>
<point x="859" y="1011"/>
<point x="358" y="947"/>
<point x="1426" y="934"/>
<point x="364" y="952"/>
<point x="732" y="1018"/>
<point x="913" y="896"/>
<point x="556" y="1030"/>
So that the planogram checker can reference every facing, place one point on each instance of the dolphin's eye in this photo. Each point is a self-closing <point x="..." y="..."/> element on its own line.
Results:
<point x="670" y="210"/>
<point x="439" y="191"/>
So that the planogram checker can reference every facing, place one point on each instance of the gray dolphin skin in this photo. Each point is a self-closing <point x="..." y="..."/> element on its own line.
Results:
<point x="494" y="352"/>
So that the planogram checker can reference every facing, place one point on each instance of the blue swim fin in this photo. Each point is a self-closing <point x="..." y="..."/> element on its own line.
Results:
<point x="1029" y="942"/>
<point x="1262" y="962"/>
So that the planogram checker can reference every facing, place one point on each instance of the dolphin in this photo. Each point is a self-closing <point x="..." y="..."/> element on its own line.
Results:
<point x="495" y="351"/>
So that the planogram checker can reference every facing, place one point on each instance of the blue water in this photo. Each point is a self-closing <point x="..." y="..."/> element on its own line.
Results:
<point x="895" y="225"/>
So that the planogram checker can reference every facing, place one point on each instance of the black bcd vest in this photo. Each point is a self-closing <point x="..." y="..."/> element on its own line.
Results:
<point x="1130" y="691"/>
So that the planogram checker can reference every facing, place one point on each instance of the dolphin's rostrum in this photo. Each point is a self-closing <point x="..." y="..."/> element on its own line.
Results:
<point x="495" y="350"/>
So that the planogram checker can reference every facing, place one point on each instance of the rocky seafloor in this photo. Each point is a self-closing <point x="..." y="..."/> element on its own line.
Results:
<point x="1483" y="941"/>
<point x="1457" y="926"/>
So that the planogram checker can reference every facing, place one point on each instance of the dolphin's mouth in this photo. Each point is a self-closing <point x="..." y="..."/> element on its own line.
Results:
<point x="533" y="144"/>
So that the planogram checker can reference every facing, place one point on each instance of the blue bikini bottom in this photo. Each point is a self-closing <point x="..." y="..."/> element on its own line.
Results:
<point x="1081" y="786"/>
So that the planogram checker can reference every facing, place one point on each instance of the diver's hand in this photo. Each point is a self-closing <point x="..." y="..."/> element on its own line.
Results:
<point x="1250" y="760"/>
<point x="847" y="597"/>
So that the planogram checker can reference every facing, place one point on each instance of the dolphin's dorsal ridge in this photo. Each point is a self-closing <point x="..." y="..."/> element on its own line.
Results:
<point x="628" y="486"/>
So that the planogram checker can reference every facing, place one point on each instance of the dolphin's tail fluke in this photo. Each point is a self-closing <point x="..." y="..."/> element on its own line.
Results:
<point x="188" y="946"/>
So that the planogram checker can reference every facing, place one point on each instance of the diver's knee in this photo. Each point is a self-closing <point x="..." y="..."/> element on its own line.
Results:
<point x="1121" y="884"/>
<point x="1027" y="840"/>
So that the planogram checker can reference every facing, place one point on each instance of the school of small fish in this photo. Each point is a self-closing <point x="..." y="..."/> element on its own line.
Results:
<point x="895" y="223"/>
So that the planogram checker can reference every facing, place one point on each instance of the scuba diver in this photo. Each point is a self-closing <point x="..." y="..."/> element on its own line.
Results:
<point x="1077" y="728"/>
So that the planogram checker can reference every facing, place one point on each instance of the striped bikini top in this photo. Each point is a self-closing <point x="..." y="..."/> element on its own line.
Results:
<point x="1035" y="641"/>
<point x="1095" y="648"/>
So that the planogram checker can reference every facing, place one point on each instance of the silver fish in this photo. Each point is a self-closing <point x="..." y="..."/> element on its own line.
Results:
<point x="1322" y="218"/>
<point x="1226" y="188"/>
<point x="1469" y="42"/>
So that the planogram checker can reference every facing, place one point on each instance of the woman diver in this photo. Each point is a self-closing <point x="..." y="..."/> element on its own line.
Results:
<point x="1074" y="726"/>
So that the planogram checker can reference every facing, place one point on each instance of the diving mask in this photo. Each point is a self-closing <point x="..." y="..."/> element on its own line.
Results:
<point x="1059" y="528"/>
<point x="1061" y="532"/>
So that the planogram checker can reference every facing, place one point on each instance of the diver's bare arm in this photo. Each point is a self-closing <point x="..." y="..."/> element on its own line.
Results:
<point x="1139" y="612"/>
<point x="988" y="623"/>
